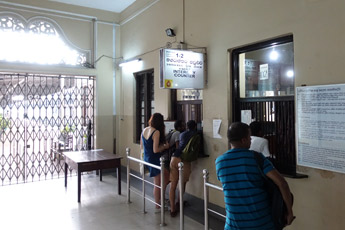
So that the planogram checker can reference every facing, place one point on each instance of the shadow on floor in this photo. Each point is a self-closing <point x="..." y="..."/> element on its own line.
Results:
<point x="194" y="207"/>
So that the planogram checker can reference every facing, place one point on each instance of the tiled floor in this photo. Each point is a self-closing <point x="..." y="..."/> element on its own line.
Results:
<point x="47" y="205"/>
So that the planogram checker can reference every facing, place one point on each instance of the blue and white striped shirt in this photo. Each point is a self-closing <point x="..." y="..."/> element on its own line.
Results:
<point x="246" y="201"/>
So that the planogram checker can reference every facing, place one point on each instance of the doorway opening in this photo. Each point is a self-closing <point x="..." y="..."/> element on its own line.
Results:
<point x="36" y="112"/>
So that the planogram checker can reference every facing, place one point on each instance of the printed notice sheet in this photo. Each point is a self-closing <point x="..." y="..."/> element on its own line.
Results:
<point x="321" y="127"/>
<point x="216" y="128"/>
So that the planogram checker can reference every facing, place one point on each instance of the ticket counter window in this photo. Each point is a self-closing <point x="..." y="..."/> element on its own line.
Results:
<point x="263" y="90"/>
<point x="187" y="105"/>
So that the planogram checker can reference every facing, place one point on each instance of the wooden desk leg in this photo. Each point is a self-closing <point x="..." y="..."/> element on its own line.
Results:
<point x="100" y="174"/>
<point x="119" y="179"/>
<point x="79" y="184"/>
<point x="66" y="170"/>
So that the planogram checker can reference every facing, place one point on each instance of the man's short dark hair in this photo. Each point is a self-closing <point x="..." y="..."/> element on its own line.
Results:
<point x="237" y="131"/>
<point x="178" y="124"/>
<point x="255" y="128"/>
<point x="191" y="125"/>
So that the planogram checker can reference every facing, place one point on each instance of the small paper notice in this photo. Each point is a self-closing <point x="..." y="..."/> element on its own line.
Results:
<point x="246" y="116"/>
<point x="216" y="128"/>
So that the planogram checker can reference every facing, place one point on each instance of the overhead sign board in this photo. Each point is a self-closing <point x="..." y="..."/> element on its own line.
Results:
<point x="181" y="69"/>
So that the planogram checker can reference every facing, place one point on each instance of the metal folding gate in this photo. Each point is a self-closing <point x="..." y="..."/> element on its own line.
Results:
<point x="37" y="111"/>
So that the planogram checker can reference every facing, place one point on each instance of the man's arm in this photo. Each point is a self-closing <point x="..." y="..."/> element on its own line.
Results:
<point x="275" y="176"/>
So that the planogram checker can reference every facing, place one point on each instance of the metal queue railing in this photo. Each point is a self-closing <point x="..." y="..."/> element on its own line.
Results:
<point x="143" y="195"/>
<point x="181" y="189"/>
<point x="208" y="185"/>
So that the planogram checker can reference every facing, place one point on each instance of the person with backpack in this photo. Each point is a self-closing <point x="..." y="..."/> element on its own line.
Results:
<point x="246" y="200"/>
<point x="173" y="138"/>
<point x="175" y="159"/>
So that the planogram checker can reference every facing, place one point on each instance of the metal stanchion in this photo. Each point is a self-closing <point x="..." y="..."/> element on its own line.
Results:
<point x="162" y="193"/>
<point x="205" y="172"/>
<point x="128" y="151"/>
<point x="143" y="184"/>
<point x="181" y="189"/>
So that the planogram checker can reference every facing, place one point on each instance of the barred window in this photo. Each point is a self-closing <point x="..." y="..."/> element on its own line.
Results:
<point x="263" y="90"/>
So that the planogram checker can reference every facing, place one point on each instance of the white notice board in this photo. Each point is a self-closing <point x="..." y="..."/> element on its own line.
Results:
<point x="169" y="125"/>
<point x="321" y="127"/>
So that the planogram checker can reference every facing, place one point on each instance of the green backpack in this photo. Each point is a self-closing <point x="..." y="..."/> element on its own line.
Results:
<point x="191" y="151"/>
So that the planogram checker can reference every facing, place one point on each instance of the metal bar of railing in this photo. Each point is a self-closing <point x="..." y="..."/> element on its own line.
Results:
<point x="128" y="181"/>
<point x="217" y="213"/>
<point x="162" y="192"/>
<point x="206" y="197"/>
<point x="205" y="172"/>
<point x="141" y="178"/>
<point x="143" y="188"/>
<point x="148" y="182"/>
<point x="181" y="189"/>
<point x="214" y="186"/>
<point x="140" y="193"/>
<point x="144" y="162"/>
<point x="162" y="187"/>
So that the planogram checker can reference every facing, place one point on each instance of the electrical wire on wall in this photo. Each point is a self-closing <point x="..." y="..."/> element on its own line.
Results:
<point x="167" y="46"/>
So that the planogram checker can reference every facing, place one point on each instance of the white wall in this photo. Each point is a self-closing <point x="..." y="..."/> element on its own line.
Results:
<point x="221" y="25"/>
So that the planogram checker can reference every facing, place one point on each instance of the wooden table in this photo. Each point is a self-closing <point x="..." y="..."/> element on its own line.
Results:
<point x="90" y="160"/>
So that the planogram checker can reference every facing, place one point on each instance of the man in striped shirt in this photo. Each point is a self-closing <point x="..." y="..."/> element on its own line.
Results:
<point x="246" y="201"/>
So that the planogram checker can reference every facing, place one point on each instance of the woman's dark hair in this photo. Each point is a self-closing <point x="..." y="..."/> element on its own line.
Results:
<point x="237" y="131"/>
<point x="157" y="121"/>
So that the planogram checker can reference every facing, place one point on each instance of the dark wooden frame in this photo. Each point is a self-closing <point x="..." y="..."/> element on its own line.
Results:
<point x="145" y="76"/>
<point x="282" y="134"/>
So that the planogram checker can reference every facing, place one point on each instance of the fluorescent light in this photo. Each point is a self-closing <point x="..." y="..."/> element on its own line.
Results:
<point x="129" y="62"/>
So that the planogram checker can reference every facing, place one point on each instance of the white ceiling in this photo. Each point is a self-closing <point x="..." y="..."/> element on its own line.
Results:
<point x="116" y="6"/>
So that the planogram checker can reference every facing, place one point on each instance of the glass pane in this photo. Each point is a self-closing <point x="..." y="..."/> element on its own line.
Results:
<point x="267" y="72"/>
